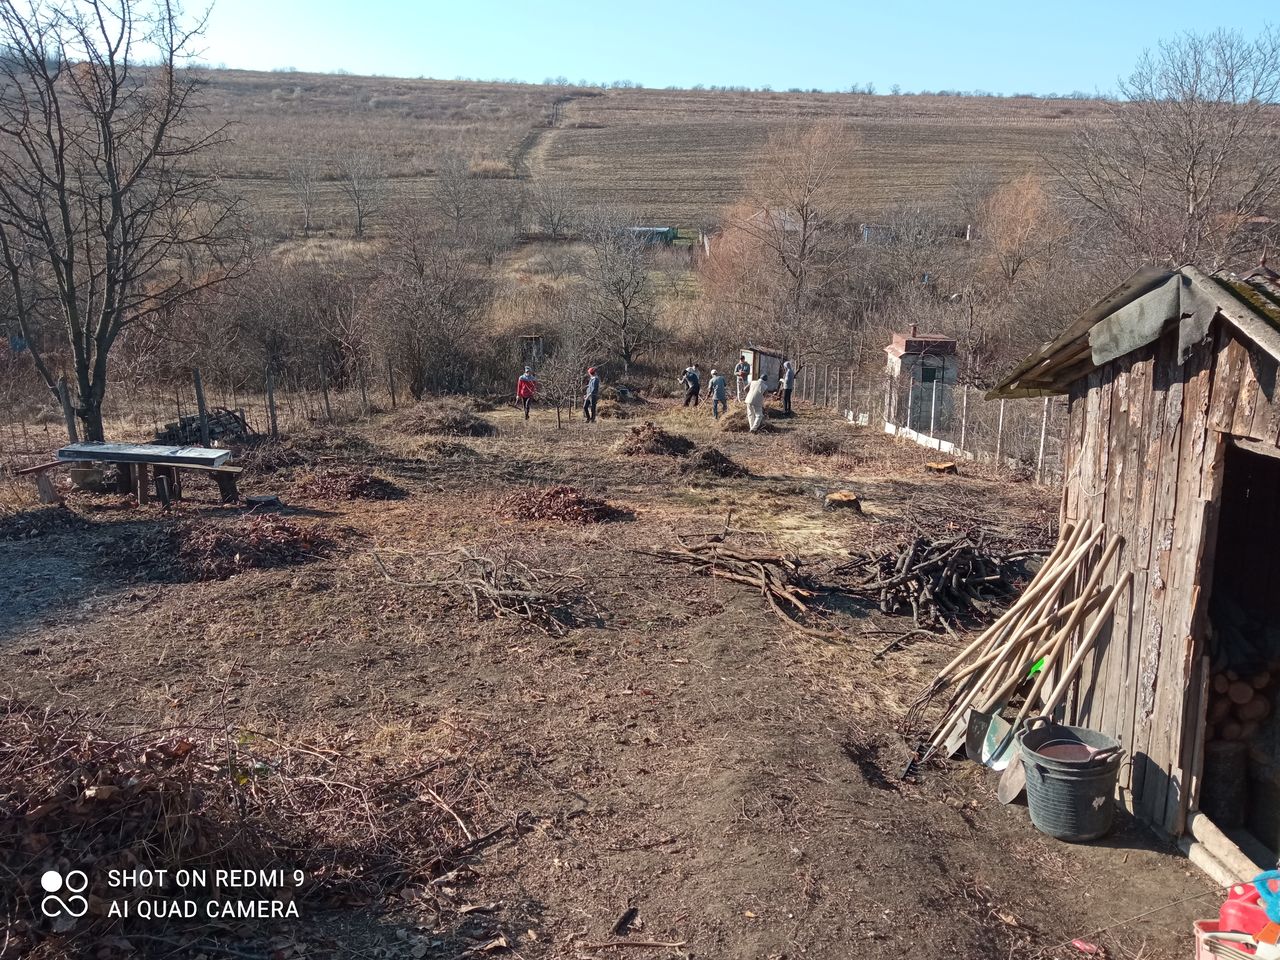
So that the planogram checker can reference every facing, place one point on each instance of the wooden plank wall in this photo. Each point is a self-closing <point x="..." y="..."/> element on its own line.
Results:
<point x="1147" y="436"/>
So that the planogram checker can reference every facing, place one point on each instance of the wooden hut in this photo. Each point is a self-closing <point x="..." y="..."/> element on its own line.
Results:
<point x="1174" y="444"/>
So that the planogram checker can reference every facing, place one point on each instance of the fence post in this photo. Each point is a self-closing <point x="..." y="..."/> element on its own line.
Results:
<point x="1000" y="434"/>
<point x="1044" y="427"/>
<point x="68" y="414"/>
<point x="324" y="389"/>
<point x="839" y="387"/>
<point x="964" y="415"/>
<point x="933" y="409"/>
<point x="391" y="383"/>
<point x="201" y="409"/>
<point x="911" y="390"/>
<point x="888" y="393"/>
<point x="271" y="404"/>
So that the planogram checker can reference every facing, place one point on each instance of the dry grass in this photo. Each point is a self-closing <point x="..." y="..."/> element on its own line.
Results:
<point x="446" y="417"/>
<point x="673" y="156"/>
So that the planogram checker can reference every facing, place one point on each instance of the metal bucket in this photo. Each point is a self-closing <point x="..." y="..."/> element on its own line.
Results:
<point x="1071" y="779"/>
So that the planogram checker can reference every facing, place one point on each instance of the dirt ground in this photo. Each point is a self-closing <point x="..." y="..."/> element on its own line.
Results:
<point x="680" y="756"/>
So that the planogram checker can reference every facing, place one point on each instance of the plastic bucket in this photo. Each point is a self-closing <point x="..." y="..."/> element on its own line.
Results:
<point x="1071" y="779"/>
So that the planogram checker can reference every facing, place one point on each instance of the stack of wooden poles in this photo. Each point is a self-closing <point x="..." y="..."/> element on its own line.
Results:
<point x="1039" y="626"/>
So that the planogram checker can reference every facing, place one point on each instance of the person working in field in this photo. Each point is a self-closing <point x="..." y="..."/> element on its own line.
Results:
<point x="692" y="382"/>
<point x="592" y="396"/>
<point x="742" y="376"/>
<point x="526" y="390"/>
<point x="717" y="388"/>
<point x="786" y="382"/>
<point x="755" y="403"/>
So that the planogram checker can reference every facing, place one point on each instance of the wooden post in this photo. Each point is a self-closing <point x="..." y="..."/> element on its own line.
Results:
<point x="271" y="404"/>
<point x="933" y="409"/>
<point x="364" y="389"/>
<point x="559" y="421"/>
<point x="826" y="385"/>
<point x="68" y="412"/>
<point x="142" y="483"/>
<point x="964" y="415"/>
<point x="1044" y="427"/>
<point x="391" y="383"/>
<point x="1000" y="433"/>
<point x="911" y="390"/>
<point x="839" y="386"/>
<point x="201" y="409"/>
<point x="888" y="394"/>
<point x="324" y="389"/>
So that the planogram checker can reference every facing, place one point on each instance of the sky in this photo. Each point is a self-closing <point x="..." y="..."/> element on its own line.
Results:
<point x="1000" y="47"/>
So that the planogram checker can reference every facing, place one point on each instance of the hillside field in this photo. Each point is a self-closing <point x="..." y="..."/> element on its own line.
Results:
<point x="671" y="156"/>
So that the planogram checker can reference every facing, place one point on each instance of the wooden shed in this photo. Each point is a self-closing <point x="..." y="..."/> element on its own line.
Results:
<point x="1174" y="443"/>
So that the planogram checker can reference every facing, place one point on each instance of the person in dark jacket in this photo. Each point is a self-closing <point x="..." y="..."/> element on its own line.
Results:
<point x="692" y="385"/>
<point x="786" y="382"/>
<point x="717" y="391"/>
<point x="591" y="397"/>
<point x="526" y="390"/>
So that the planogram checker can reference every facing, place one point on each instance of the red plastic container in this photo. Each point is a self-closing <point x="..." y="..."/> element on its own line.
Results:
<point x="1242" y="911"/>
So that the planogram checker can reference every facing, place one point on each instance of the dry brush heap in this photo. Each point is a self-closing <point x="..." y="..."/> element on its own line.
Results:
<point x="73" y="795"/>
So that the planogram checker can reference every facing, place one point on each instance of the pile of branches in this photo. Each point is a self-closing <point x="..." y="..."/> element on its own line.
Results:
<point x="348" y="485"/>
<point x="937" y="581"/>
<point x="563" y="503"/>
<point x="502" y="588"/>
<point x="39" y="522"/>
<point x="215" y="549"/>
<point x="777" y="577"/>
<point x="711" y="461"/>
<point x="648" y="439"/>
<point x="75" y="795"/>
<point x="446" y="417"/>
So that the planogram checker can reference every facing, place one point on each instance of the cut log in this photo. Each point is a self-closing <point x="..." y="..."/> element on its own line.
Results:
<point x="1240" y="692"/>
<point x="941" y="467"/>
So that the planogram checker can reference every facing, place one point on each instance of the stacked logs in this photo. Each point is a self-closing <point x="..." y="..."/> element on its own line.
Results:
<point x="938" y="581"/>
<point x="1239" y="704"/>
<point x="1038" y="629"/>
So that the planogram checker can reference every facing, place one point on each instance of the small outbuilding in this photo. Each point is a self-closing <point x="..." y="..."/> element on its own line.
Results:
<point x="1174" y="445"/>
<point x="923" y="368"/>
<point x="764" y="363"/>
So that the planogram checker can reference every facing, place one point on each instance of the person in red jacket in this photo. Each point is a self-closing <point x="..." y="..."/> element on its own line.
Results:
<point x="526" y="390"/>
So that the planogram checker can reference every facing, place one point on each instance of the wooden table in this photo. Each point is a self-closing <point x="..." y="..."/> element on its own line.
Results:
<point x="136" y="462"/>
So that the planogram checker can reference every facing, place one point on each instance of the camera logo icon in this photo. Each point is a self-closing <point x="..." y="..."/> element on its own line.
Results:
<point x="73" y="884"/>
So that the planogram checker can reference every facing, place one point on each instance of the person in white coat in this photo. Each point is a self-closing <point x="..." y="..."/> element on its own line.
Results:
<point x="755" y="403"/>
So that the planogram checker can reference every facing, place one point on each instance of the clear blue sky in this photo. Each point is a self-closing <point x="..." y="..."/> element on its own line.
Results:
<point x="1004" y="47"/>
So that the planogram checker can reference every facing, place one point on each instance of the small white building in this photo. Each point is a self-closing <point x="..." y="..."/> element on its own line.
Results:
<point x="924" y="369"/>
<point x="764" y="363"/>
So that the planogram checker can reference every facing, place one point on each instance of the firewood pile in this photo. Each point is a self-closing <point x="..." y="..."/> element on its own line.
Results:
<point x="939" y="582"/>
<point x="348" y="485"/>
<point x="1029" y="645"/>
<point x="75" y="793"/>
<point x="215" y="549"/>
<point x="648" y="439"/>
<point x="1240" y="702"/>
<point x="562" y="503"/>
<point x="778" y="578"/>
<point x="225" y="427"/>
<point x="497" y="587"/>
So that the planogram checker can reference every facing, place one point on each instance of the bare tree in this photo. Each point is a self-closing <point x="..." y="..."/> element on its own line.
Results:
<point x="1189" y="155"/>
<point x="455" y="193"/>
<point x="304" y="182"/>
<point x="104" y="220"/>
<point x="364" y="181"/>
<point x="621" y="300"/>
<point x="554" y="210"/>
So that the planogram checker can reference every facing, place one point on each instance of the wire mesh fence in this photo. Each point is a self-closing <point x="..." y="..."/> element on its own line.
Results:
<point x="1024" y="436"/>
